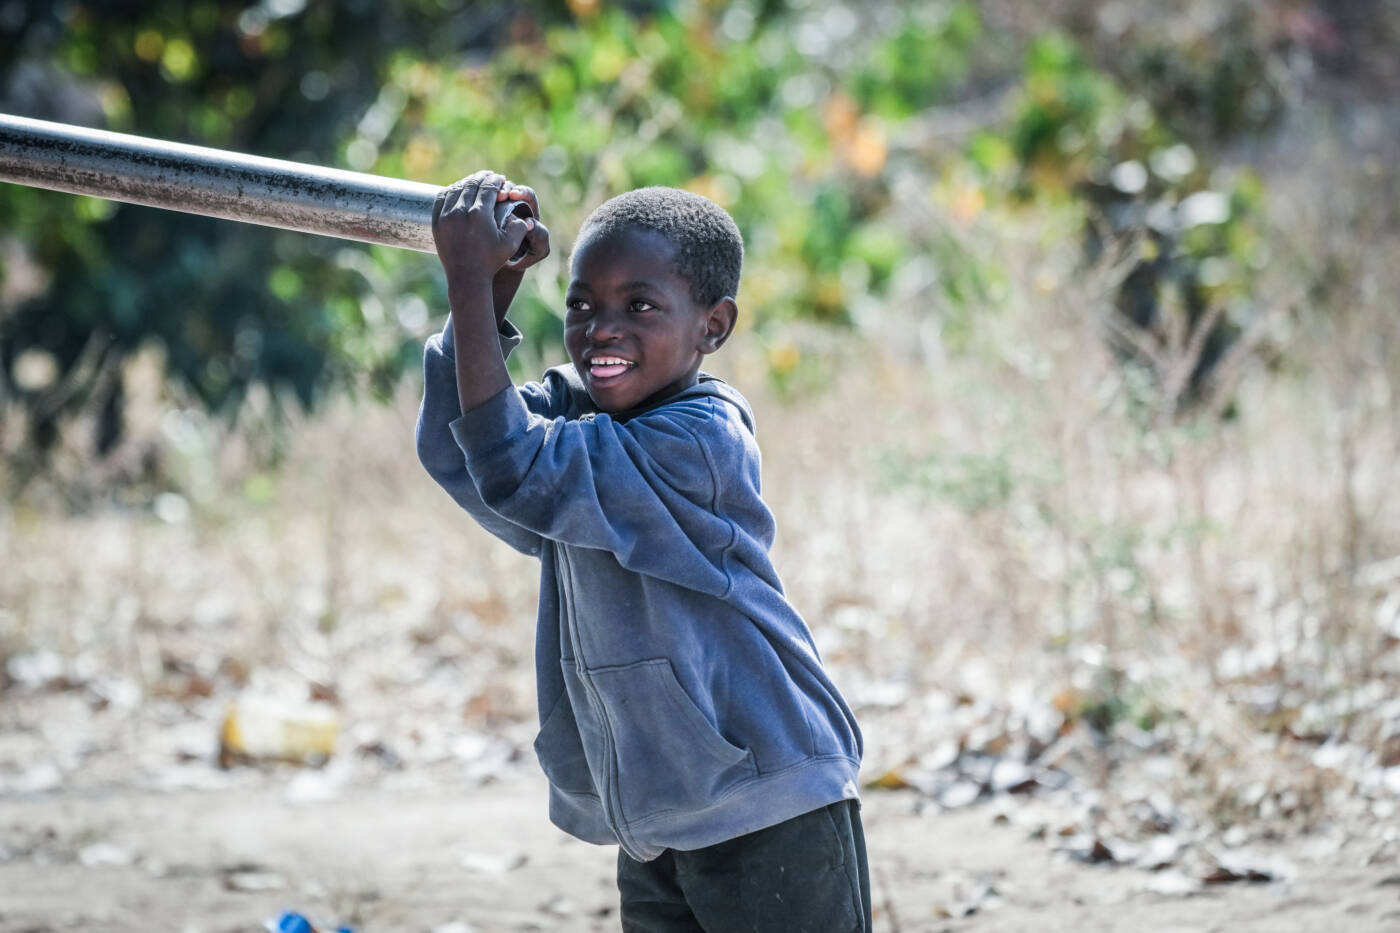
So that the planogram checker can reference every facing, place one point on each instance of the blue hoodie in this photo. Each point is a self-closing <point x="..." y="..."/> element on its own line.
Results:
<point x="681" y="699"/>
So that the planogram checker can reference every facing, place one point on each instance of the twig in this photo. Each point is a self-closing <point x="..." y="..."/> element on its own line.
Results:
<point x="1185" y="357"/>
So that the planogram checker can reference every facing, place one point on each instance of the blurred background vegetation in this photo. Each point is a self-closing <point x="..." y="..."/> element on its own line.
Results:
<point x="1078" y="319"/>
<point x="855" y="147"/>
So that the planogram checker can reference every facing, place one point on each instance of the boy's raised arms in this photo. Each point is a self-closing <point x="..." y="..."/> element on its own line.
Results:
<point x="481" y="279"/>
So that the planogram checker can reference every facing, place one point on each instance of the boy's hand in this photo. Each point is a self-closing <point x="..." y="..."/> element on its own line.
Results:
<point x="470" y="246"/>
<point x="473" y="249"/>
<point x="537" y="237"/>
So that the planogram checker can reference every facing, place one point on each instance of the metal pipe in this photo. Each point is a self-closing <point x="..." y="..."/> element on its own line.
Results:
<point x="216" y="183"/>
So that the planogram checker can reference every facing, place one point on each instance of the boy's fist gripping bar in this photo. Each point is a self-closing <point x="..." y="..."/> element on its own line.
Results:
<point x="217" y="183"/>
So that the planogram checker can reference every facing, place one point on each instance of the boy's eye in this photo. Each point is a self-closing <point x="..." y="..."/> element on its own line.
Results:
<point x="577" y="306"/>
<point x="640" y="305"/>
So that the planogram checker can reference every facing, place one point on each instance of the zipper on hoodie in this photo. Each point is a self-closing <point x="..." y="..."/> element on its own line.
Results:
<point x="611" y="808"/>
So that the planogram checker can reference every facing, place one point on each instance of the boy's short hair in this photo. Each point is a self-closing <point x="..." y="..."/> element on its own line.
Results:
<point x="709" y="247"/>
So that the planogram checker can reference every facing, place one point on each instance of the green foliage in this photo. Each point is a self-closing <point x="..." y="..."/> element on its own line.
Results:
<point x="1216" y="89"/>
<point x="1063" y="115"/>
<point x="725" y="101"/>
<point x="794" y="119"/>
<point x="590" y="109"/>
<point x="232" y="305"/>
<point x="919" y="62"/>
<point x="1115" y="699"/>
<point x="1079" y="135"/>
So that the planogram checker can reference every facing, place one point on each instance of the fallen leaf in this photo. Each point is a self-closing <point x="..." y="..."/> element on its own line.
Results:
<point x="892" y="779"/>
<point x="1171" y="882"/>
<point x="253" y="881"/>
<point x="1011" y="777"/>
<point x="1245" y="866"/>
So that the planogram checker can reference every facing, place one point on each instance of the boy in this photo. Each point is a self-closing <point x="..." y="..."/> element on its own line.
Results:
<point x="684" y="713"/>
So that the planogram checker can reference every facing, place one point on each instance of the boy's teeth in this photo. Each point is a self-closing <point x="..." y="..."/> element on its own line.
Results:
<point x="606" y="366"/>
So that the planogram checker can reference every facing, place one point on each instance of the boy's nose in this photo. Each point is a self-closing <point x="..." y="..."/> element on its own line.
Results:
<point x="603" y="327"/>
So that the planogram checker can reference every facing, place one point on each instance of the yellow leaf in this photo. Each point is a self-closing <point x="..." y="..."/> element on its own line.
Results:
<point x="890" y="780"/>
<point x="1068" y="701"/>
<point x="967" y="204"/>
<point x="784" y="358"/>
<point x="840" y="117"/>
<point x="867" y="149"/>
<point x="421" y="155"/>
<point x="148" y="45"/>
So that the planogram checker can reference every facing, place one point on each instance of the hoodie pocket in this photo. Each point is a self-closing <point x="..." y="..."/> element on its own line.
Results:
<point x="669" y="755"/>
<point x="561" y="753"/>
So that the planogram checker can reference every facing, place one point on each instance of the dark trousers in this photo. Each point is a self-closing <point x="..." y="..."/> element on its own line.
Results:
<point x="805" y="875"/>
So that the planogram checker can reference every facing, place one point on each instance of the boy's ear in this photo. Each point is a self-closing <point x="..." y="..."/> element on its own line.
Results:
<point x="719" y="324"/>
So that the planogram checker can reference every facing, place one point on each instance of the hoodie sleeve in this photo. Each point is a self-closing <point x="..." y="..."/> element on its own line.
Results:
<point x="644" y="490"/>
<point x="440" y="454"/>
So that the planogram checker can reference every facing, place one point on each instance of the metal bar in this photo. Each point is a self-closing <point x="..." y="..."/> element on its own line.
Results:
<point x="216" y="183"/>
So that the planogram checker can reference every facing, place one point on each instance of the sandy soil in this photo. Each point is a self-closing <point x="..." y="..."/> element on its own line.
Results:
<point x="415" y="853"/>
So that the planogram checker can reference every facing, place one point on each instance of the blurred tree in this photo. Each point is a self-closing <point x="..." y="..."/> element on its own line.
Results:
<point x="764" y="108"/>
<point x="804" y="119"/>
<point x="1080" y="135"/>
<point x="231" y="304"/>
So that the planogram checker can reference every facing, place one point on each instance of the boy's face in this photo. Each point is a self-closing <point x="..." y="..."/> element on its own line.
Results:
<point x="633" y="330"/>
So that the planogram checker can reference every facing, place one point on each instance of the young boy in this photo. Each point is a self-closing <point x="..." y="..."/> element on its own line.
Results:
<point x="684" y="712"/>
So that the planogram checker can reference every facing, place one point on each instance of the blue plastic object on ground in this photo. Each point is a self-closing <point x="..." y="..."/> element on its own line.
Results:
<point x="292" y="922"/>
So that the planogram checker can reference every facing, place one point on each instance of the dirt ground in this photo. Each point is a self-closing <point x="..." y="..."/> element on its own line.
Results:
<point x="418" y="852"/>
<point x="1041" y="746"/>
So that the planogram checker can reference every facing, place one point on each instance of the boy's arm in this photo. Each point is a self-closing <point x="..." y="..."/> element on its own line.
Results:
<point x="472" y="249"/>
<point x="439" y="453"/>
<point x="646" y="490"/>
<point x="451" y="378"/>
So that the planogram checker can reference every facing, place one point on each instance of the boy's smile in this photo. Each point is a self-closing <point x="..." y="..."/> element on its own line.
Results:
<point x="633" y="329"/>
